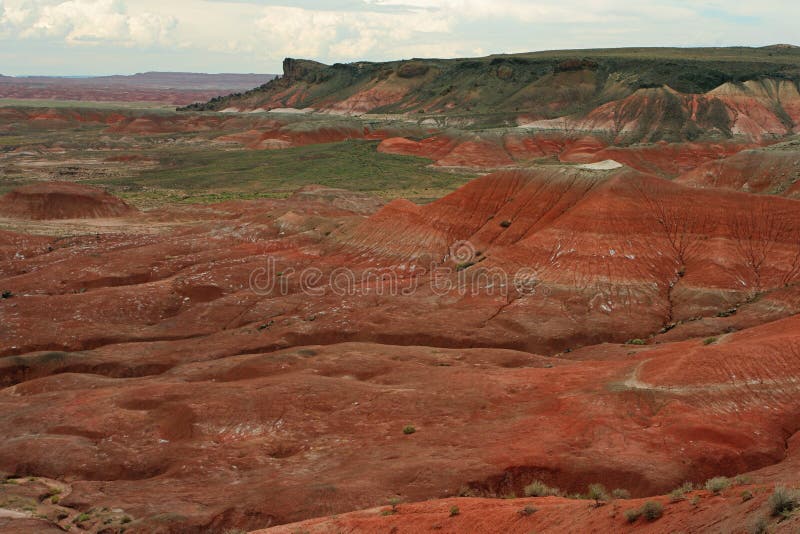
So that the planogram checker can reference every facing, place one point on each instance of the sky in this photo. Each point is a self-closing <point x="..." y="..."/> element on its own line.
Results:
<point x="97" y="37"/>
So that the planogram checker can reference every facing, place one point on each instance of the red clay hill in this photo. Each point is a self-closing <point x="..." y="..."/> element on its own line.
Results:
<point x="61" y="200"/>
<point x="251" y="364"/>
<point x="617" y="302"/>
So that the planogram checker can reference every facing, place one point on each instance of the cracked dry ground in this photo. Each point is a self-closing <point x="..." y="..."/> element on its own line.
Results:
<point x="148" y="383"/>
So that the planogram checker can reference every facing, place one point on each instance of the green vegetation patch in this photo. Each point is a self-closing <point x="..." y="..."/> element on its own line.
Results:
<point x="226" y="174"/>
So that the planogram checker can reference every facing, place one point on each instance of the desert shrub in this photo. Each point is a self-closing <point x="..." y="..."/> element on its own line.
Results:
<point x="695" y="500"/>
<point x="746" y="496"/>
<point x="537" y="488"/>
<point x="709" y="340"/>
<point x="527" y="511"/>
<point x="54" y="499"/>
<point x="620" y="493"/>
<point x="759" y="527"/>
<point x="652" y="510"/>
<point x="741" y="480"/>
<point x="717" y="484"/>
<point x="597" y="492"/>
<point x="635" y="342"/>
<point x="679" y="493"/>
<point x="454" y="511"/>
<point x="6" y="294"/>
<point x="633" y="515"/>
<point x="409" y="429"/>
<point x="82" y="517"/>
<point x="125" y="519"/>
<point x="505" y="224"/>
<point x="782" y="501"/>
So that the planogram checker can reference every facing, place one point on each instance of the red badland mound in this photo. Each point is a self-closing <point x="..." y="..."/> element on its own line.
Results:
<point x="753" y="110"/>
<point x="210" y="376"/>
<point x="773" y="170"/>
<point x="61" y="200"/>
<point x="490" y="151"/>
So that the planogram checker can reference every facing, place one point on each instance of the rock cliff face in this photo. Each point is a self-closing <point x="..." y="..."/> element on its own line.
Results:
<point x="629" y="95"/>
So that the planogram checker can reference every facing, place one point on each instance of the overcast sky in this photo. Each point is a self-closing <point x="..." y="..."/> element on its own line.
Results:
<point x="80" y="37"/>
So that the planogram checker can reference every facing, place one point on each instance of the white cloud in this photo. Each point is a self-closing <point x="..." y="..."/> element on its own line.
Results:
<point x="255" y="35"/>
<point x="291" y="31"/>
<point x="86" y="22"/>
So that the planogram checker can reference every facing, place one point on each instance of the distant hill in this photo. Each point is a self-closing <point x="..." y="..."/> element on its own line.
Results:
<point x="177" y="88"/>
<point x="529" y="87"/>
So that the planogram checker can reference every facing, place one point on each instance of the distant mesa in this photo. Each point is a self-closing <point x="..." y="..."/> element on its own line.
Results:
<point x="629" y="95"/>
<point x="62" y="200"/>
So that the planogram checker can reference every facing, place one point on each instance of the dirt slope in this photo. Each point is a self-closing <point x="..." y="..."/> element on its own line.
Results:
<point x="774" y="170"/>
<point x="199" y="371"/>
<point x="61" y="200"/>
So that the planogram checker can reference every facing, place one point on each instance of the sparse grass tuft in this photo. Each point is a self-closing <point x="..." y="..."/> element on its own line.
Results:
<point x="717" y="484"/>
<point x="409" y="429"/>
<point x="746" y="495"/>
<point x="782" y="501"/>
<point x="759" y="527"/>
<point x="679" y="493"/>
<point x="709" y="340"/>
<point x="652" y="510"/>
<point x="527" y="511"/>
<point x="620" y="493"/>
<point x="632" y="516"/>
<point x="636" y="341"/>
<point x="598" y="493"/>
<point x="454" y="511"/>
<point x="537" y="488"/>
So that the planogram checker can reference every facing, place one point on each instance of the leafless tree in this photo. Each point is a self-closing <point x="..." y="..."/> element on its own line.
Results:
<point x="757" y="233"/>
<point x="684" y="230"/>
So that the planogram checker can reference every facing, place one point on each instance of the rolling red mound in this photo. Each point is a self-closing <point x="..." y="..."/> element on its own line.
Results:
<point x="492" y="151"/>
<point x="753" y="110"/>
<point x="774" y="170"/>
<point x="61" y="200"/>
<point x="174" y="391"/>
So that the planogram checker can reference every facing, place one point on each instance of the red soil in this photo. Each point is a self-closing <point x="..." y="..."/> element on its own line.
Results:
<point x="748" y="111"/>
<point x="711" y="513"/>
<point x="775" y="171"/>
<point x="61" y="200"/>
<point x="488" y="152"/>
<point x="165" y="386"/>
